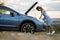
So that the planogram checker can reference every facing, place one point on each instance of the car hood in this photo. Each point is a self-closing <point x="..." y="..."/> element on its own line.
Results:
<point x="25" y="17"/>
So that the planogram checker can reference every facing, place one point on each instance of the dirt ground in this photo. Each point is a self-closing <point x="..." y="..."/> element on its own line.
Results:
<point x="14" y="35"/>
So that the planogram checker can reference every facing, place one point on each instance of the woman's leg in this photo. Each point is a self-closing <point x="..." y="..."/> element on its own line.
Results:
<point x="51" y="30"/>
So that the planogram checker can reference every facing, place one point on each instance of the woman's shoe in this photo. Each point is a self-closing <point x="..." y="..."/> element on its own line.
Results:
<point x="52" y="32"/>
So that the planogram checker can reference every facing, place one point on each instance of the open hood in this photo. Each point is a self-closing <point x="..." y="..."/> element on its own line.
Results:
<point x="30" y="8"/>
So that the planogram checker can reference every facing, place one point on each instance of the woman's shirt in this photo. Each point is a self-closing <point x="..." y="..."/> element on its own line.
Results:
<point x="47" y="18"/>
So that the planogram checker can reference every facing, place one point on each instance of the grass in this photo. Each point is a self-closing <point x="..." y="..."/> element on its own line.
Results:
<point x="57" y="28"/>
<point x="14" y="35"/>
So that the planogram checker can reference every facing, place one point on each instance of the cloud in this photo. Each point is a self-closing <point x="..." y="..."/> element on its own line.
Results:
<point x="53" y="6"/>
<point x="55" y="0"/>
<point x="24" y="5"/>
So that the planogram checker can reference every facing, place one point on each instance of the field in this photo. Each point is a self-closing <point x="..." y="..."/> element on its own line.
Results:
<point x="14" y="35"/>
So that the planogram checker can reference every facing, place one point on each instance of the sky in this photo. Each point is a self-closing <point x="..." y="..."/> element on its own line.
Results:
<point x="23" y="5"/>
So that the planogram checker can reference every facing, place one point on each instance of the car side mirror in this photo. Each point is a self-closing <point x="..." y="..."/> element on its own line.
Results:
<point x="12" y="14"/>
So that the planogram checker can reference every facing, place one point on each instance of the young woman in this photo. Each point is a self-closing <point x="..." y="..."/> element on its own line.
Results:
<point x="48" y="20"/>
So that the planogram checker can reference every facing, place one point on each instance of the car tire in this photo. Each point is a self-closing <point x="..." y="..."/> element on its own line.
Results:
<point x="28" y="27"/>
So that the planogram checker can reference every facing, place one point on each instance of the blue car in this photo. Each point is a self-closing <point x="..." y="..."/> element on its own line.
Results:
<point x="12" y="20"/>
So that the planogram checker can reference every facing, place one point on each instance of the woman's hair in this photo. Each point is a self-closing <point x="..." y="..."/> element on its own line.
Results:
<point x="38" y="7"/>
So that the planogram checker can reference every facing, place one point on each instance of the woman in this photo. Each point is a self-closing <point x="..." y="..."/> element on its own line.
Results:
<point x="48" y="20"/>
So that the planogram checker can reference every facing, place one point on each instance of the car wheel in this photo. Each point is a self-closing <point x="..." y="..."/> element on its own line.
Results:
<point x="28" y="27"/>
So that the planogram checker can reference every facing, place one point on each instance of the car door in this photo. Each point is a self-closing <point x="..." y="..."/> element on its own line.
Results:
<point x="8" y="20"/>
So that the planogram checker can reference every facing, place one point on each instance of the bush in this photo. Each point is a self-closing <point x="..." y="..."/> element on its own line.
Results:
<point x="56" y="27"/>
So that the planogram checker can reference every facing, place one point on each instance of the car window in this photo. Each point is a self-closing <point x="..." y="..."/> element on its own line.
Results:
<point x="7" y="12"/>
<point x="2" y="11"/>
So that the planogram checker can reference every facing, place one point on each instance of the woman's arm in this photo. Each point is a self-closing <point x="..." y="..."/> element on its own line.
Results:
<point x="41" y="15"/>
